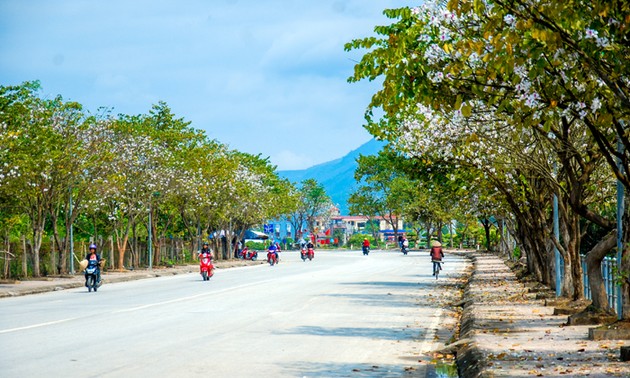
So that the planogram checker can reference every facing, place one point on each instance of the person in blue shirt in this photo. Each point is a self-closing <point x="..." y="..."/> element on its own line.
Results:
<point x="273" y="248"/>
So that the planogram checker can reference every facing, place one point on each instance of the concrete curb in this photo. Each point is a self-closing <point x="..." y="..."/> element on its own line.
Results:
<point x="469" y="359"/>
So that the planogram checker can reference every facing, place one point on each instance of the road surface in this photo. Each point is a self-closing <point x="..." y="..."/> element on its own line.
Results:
<point x="341" y="315"/>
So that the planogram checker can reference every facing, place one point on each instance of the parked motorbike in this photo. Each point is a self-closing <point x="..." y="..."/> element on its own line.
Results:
<point x="248" y="255"/>
<point x="272" y="258"/>
<point x="206" y="267"/>
<point x="92" y="272"/>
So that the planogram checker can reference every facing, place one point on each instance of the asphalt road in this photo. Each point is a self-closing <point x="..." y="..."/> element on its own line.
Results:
<point x="343" y="314"/>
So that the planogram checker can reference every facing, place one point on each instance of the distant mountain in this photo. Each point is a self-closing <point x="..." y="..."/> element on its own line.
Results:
<point x="337" y="176"/>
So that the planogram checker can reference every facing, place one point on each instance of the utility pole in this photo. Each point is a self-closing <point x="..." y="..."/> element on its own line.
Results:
<point x="556" y="233"/>
<point x="620" y="211"/>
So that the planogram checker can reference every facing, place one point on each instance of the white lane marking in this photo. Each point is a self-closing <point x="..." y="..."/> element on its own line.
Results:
<point x="191" y="297"/>
<point x="37" y="325"/>
<point x="138" y="307"/>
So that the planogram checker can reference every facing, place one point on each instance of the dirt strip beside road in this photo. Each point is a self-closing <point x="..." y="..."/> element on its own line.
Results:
<point x="507" y="332"/>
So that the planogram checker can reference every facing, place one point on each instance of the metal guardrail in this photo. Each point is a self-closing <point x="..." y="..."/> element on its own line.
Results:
<point x="609" y="283"/>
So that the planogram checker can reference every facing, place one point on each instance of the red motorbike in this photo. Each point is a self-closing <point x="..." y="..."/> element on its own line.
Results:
<point x="307" y="254"/>
<point x="248" y="255"/>
<point x="205" y="266"/>
<point x="272" y="258"/>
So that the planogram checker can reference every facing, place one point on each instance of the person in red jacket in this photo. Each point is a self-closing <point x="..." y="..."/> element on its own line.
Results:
<point x="366" y="245"/>
<point x="437" y="254"/>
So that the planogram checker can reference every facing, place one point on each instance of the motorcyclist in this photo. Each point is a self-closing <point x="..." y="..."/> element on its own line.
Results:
<point x="94" y="259"/>
<point x="244" y="252"/>
<point x="310" y="245"/>
<point x="274" y="248"/>
<point x="366" y="244"/>
<point x="405" y="244"/>
<point x="206" y="250"/>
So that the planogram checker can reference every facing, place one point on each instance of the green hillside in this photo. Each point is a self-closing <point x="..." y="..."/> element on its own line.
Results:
<point x="337" y="176"/>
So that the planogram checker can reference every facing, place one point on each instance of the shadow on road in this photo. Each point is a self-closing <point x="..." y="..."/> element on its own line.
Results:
<point x="314" y="369"/>
<point x="370" y="333"/>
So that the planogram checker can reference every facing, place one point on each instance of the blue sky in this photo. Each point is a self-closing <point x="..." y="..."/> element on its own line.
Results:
<point x="264" y="77"/>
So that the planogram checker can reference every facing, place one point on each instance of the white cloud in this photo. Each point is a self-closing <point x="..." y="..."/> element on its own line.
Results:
<point x="253" y="74"/>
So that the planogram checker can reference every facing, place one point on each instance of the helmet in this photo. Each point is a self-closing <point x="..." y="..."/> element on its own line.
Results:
<point x="205" y="244"/>
<point x="92" y="246"/>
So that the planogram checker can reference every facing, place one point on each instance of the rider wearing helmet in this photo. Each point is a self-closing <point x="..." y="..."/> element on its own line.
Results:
<point x="93" y="258"/>
<point x="274" y="248"/>
<point x="206" y="250"/>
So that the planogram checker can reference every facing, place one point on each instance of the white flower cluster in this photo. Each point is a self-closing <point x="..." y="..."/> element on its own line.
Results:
<point x="591" y="34"/>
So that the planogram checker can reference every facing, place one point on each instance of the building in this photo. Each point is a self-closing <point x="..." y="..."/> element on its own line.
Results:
<point x="327" y="228"/>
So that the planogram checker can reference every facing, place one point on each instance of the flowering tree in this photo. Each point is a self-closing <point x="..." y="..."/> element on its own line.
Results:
<point x="34" y="169"/>
<point x="484" y="76"/>
<point x="118" y="170"/>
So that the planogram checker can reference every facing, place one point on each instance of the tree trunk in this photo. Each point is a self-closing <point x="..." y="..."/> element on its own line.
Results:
<point x="571" y="232"/>
<point x="486" y="227"/>
<point x="121" y="243"/>
<point x="38" y="234"/>
<point x="625" y="258"/>
<point x="7" y="260"/>
<point x="62" y="262"/>
<point x="111" y="251"/>
<point x="53" y="257"/>
<point x="24" y="257"/>
<point x="594" y="260"/>
<point x="155" y="239"/>
<point x="134" y="246"/>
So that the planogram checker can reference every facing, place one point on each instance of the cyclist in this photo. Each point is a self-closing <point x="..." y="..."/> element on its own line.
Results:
<point x="437" y="254"/>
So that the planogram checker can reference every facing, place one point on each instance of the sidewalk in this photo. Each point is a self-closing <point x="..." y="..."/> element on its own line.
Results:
<point x="13" y="288"/>
<point x="507" y="332"/>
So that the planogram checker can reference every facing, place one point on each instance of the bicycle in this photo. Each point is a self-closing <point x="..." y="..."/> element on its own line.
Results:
<point x="437" y="266"/>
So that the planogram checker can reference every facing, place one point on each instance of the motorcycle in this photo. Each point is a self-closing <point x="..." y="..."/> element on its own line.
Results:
<point x="272" y="258"/>
<point x="205" y="266"/>
<point x="404" y="250"/>
<point x="307" y="254"/>
<point x="92" y="272"/>
<point x="366" y="250"/>
<point x="248" y="255"/>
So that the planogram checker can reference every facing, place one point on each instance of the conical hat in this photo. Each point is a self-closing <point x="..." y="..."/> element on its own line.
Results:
<point x="436" y="243"/>
<point x="83" y="264"/>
